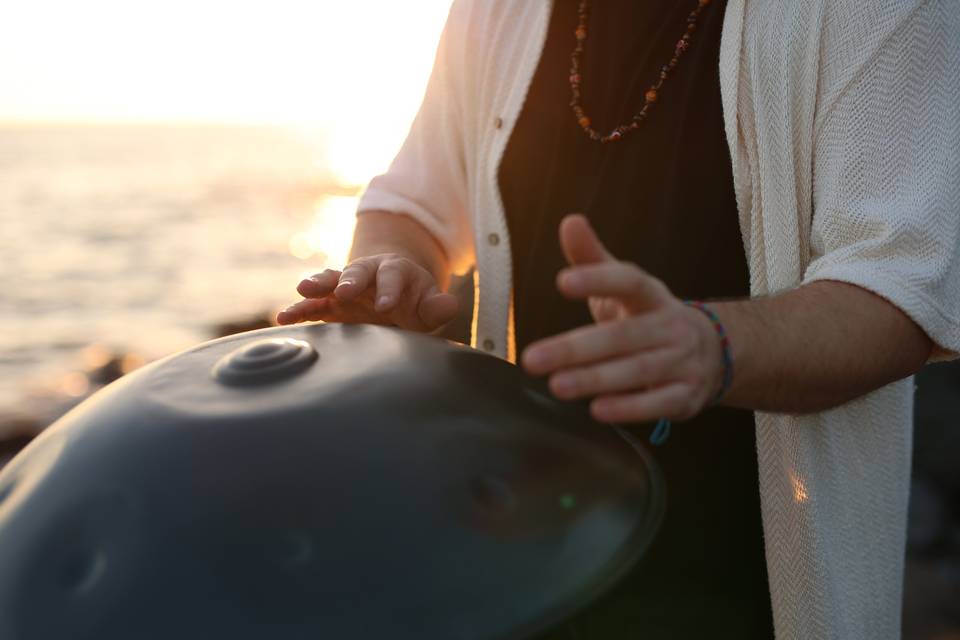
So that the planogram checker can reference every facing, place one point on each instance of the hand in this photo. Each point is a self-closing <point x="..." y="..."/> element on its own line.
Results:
<point x="649" y="355"/>
<point x="380" y="289"/>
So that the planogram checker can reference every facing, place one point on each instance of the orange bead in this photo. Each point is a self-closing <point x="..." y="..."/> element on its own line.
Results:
<point x="653" y="91"/>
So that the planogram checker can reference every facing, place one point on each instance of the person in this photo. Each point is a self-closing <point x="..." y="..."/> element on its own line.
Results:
<point x="794" y="165"/>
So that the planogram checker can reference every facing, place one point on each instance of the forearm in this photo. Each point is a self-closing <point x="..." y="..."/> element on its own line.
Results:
<point x="817" y="346"/>
<point x="385" y="232"/>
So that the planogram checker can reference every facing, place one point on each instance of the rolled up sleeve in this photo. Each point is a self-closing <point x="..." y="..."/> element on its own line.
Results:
<point x="887" y="178"/>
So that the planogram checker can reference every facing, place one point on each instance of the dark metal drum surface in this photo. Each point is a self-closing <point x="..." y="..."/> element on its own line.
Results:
<point x="321" y="481"/>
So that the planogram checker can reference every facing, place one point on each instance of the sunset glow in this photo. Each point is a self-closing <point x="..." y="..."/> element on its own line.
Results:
<point x="327" y="240"/>
<point x="140" y="212"/>
<point x="354" y="70"/>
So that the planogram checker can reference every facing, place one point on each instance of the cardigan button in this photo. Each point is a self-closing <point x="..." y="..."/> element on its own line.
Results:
<point x="498" y="123"/>
<point x="488" y="345"/>
<point x="493" y="239"/>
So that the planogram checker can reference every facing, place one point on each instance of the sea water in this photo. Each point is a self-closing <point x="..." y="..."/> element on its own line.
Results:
<point x="138" y="239"/>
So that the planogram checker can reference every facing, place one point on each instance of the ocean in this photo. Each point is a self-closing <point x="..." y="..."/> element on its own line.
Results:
<point x="137" y="240"/>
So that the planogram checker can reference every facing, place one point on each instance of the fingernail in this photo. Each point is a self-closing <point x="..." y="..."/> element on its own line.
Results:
<point x="382" y="301"/>
<point x="345" y="283"/>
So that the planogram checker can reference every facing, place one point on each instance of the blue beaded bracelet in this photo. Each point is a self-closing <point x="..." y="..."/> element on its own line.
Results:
<point x="724" y="344"/>
<point x="662" y="431"/>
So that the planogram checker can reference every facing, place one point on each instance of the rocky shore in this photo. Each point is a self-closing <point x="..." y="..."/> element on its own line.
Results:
<point x="932" y="587"/>
<point x="103" y="366"/>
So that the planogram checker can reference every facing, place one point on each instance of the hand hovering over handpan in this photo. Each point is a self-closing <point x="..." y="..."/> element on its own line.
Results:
<point x="392" y="279"/>
<point x="649" y="355"/>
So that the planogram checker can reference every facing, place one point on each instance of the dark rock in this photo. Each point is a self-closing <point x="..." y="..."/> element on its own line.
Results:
<point x="16" y="425"/>
<point x="9" y="447"/>
<point x="107" y="372"/>
<point x="16" y="432"/>
<point x="259" y="321"/>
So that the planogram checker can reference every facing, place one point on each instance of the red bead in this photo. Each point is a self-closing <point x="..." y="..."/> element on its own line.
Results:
<point x="651" y="95"/>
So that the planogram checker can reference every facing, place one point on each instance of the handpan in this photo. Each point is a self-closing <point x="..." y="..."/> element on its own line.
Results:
<point x="320" y="481"/>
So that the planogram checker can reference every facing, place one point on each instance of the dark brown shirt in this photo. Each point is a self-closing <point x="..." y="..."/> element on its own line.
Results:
<point x="663" y="198"/>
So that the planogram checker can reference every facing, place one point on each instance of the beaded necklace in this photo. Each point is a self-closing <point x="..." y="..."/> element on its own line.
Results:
<point x="650" y="97"/>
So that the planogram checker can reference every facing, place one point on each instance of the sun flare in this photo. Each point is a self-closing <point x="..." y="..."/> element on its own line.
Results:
<point x="356" y="70"/>
<point x="327" y="241"/>
<point x="345" y="78"/>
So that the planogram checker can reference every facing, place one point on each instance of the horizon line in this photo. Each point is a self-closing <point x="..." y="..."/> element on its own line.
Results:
<point x="197" y="122"/>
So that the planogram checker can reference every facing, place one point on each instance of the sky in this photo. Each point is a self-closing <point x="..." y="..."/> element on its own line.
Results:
<point x="355" y="68"/>
<point x="282" y="60"/>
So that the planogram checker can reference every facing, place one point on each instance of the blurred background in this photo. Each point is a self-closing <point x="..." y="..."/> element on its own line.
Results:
<point x="170" y="170"/>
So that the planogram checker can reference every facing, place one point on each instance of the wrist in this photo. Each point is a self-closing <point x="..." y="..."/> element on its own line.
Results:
<point x="717" y="350"/>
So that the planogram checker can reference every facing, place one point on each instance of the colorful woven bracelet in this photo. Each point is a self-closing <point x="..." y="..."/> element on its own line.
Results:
<point x="662" y="430"/>
<point x="724" y="343"/>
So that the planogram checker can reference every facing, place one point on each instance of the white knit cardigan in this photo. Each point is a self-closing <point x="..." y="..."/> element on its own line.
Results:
<point x="843" y="121"/>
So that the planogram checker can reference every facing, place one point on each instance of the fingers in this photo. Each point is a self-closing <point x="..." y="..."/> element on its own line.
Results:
<point x="409" y="294"/>
<point x="331" y="309"/>
<point x="591" y="343"/>
<point x="357" y="277"/>
<point x="436" y="309"/>
<point x="635" y="371"/>
<point x="580" y="243"/>
<point x="319" y="285"/>
<point x="393" y="277"/>
<point x="673" y="401"/>
<point x="381" y="289"/>
<point x="604" y="309"/>
<point x="304" y="311"/>
<point x="638" y="290"/>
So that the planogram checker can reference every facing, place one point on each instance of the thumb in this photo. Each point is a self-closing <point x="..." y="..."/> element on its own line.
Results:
<point x="435" y="308"/>
<point x="580" y="243"/>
